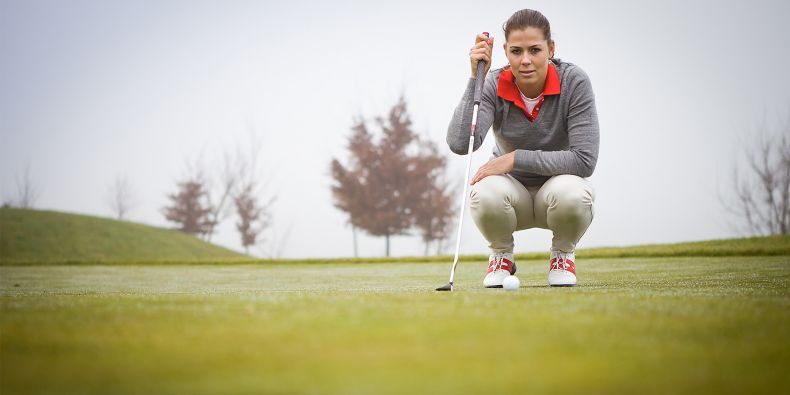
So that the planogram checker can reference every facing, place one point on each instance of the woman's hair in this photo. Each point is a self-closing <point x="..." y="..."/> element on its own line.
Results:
<point x="525" y="18"/>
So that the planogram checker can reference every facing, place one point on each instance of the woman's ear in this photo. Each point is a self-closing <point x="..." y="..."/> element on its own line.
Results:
<point x="551" y="49"/>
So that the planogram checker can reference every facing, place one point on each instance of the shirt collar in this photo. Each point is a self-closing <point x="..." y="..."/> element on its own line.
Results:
<point x="507" y="89"/>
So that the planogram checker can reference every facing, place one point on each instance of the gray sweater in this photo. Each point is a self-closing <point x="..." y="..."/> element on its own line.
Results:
<point x="563" y="139"/>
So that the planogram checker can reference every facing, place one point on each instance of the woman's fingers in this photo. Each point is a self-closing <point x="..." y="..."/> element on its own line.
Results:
<point x="481" y="51"/>
<point x="482" y="37"/>
<point x="481" y="173"/>
<point x="481" y="48"/>
<point x="482" y="44"/>
<point x="476" y="57"/>
<point x="499" y="165"/>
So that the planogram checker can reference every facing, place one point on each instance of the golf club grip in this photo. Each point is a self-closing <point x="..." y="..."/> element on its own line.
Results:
<point x="481" y="65"/>
<point x="479" y="81"/>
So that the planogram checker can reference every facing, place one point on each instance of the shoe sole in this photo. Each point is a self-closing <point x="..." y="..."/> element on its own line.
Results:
<point x="493" y="286"/>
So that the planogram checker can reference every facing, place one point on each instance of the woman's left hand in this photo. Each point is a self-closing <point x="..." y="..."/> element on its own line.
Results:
<point x="496" y="166"/>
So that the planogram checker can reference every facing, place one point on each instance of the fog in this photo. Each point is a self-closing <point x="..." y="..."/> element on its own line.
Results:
<point x="94" y="90"/>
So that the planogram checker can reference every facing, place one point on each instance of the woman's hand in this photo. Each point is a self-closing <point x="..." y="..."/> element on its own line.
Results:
<point x="496" y="166"/>
<point x="481" y="51"/>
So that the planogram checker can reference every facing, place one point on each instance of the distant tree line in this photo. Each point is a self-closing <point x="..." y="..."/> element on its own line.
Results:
<point x="394" y="184"/>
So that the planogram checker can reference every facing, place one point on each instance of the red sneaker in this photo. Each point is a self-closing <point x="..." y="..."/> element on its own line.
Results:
<point x="562" y="269"/>
<point x="500" y="265"/>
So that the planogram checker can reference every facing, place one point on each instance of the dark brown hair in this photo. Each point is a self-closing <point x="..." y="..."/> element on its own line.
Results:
<point x="525" y="18"/>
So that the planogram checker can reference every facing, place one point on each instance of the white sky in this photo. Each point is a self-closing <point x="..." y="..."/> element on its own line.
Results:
<point x="90" y="90"/>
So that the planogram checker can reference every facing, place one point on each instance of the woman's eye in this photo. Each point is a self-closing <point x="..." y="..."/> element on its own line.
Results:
<point x="535" y="50"/>
<point x="516" y="51"/>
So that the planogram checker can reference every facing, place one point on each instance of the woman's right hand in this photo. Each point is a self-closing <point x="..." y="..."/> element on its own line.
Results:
<point x="481" y="51"/>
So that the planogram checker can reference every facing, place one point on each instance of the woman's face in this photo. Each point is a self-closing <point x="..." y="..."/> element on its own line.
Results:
<point x="528" y="53"/>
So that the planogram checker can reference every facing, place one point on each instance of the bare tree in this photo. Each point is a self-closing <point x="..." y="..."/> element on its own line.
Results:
<point x="27" y="192"/>
<point x="763" y="190"/>
<point x="231" y="171"/>
<point x="121" y="198"/>
<point x="253" y="217"/>
<point x="190" y="207"/>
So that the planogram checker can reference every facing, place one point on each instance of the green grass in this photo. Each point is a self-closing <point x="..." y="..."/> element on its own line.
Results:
<point x="91" y="305"/>
<point x="681" y="325"/>
<point x="35" y="237"/>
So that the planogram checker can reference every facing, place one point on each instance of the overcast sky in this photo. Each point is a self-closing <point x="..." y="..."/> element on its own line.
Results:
<point x="92" y="90"/>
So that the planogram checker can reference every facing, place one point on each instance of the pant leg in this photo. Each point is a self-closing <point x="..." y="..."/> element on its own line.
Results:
<point x="500" y="205"/>
<point x="564" y="204"/>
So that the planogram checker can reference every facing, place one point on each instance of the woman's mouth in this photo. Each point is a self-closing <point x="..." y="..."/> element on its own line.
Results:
<point x="527" y="73"/>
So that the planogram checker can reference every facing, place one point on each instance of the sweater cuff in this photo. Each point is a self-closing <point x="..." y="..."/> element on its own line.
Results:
<point x="524" y="160"/>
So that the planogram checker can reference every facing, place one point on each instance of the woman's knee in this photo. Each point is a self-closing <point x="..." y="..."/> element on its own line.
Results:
<point x="491" y="193"/>
<point x="570" y="194"/>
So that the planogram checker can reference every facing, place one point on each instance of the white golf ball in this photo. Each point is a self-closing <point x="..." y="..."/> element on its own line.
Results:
<point x="511" y="283"/>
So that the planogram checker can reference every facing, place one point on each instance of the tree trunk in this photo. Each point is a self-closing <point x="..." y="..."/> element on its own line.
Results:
<point x="387" y="236"/>
<point x="354" y="233"/>
<point x="426" y="249"/>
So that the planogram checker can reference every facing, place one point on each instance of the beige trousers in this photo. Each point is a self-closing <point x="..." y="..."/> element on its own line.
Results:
<point x="500" y="205"/>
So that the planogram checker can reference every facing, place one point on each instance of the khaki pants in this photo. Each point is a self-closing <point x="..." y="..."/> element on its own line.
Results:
<point x="500" y="205"/>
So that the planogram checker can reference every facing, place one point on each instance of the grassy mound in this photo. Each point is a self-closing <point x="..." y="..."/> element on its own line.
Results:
<point x="34" y="236"/>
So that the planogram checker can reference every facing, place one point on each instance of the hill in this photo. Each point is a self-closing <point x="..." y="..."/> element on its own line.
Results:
<point x="38" y="236"/>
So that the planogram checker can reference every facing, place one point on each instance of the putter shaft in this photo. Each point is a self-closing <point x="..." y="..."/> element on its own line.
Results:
<point x="477" y="98"/>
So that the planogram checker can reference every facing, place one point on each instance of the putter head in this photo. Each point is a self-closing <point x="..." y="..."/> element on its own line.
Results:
<point x="446" y="287"/>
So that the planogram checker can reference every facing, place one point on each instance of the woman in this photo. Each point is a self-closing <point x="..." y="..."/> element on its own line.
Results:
<point x="546" y="128"/>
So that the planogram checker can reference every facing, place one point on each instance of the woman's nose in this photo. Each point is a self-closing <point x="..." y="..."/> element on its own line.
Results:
<point x="525" y="59"/>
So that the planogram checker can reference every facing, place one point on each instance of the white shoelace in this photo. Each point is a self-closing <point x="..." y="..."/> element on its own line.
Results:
<point x="497" y="262"/>
<point x="561" y="259"/>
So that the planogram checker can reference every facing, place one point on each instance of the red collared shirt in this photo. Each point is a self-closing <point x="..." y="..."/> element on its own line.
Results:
<point x="507" y="90"/>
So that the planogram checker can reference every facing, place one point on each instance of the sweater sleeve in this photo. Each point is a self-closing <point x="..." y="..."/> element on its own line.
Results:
<point x="583" y="138"/>
<point x="461" y="124"/>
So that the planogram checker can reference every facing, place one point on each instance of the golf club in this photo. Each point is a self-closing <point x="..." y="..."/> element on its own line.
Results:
<point x="478" y="95"/>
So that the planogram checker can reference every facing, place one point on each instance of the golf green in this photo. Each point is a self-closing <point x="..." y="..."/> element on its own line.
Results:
<point x="633" y="325"/>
